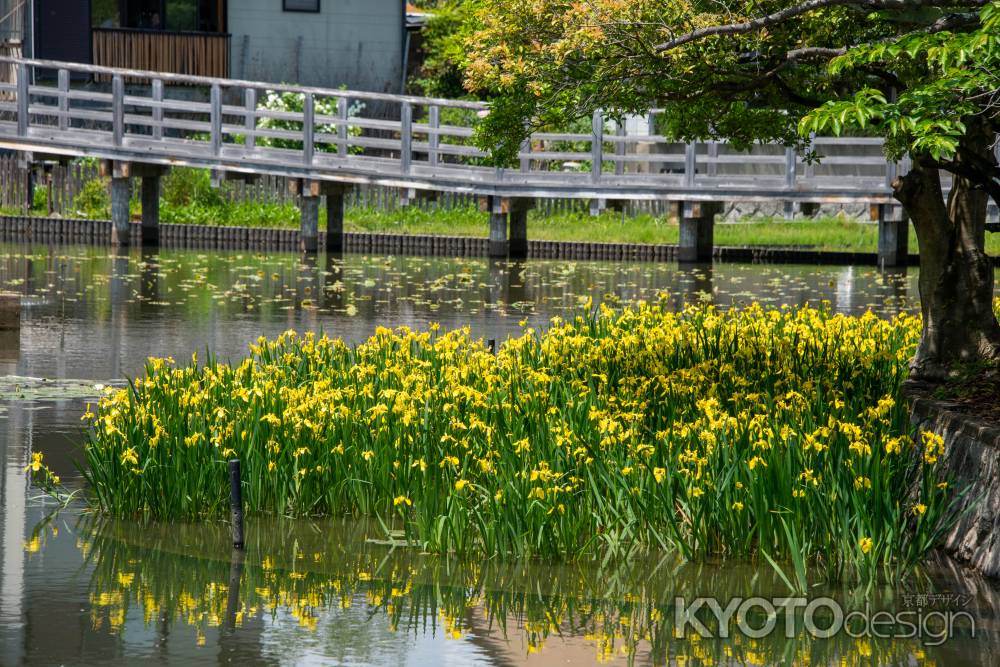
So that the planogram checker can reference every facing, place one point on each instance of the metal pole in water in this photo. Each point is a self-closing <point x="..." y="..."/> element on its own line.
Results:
<point x="236" y="503"/>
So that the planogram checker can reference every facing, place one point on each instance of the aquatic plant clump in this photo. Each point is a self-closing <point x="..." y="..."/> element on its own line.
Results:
<point x="750" y="431"/>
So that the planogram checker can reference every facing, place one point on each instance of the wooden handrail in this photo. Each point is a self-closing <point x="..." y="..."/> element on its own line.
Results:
<point x="207" y="81"/>
<point x="231" y="132"/>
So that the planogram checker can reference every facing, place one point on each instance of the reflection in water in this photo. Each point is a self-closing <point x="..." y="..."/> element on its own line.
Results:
<point x="74" y="591"/>
<point x="91" y="313"/>
<point x="696" y="284"/>
<point x="12" y="502"/>
<point x="335" y="590"/>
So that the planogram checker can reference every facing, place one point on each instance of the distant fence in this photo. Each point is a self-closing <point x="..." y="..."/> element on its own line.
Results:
<point x="61" y="183"/>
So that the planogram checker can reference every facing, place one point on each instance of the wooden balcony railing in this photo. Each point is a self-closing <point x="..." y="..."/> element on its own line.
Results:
<point x="191" y="53"/>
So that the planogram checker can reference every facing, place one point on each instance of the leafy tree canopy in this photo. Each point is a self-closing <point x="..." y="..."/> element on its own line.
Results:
<point x="444" y="38"/>
<point x="912" y="71"/>
<point x="923" y="74"/>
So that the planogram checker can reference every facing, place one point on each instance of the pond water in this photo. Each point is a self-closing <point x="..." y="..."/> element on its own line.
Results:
<point x="76" y="590"/>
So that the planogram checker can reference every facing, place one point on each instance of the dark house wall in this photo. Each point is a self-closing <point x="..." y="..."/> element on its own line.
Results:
<point x="62" y="30"/>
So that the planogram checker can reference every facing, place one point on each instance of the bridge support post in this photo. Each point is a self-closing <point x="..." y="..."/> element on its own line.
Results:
<point x="893" y="235"/>
<point x="309" y="193"/>
<point x="335" y="217"/>
<point x="518" y="242"/>
<point x="499" y="243"/>
<point x="150" y="210"/>
<point x="150" y="193"/>
<point x="121" y="194"/>
<point x="309" y="231"/>
<point x="697" y="221"/>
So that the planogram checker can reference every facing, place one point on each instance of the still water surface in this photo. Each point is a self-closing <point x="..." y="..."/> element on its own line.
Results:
<point x="76" y="590"/>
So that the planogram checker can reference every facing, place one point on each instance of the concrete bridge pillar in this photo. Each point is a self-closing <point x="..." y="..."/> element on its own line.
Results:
<point x="309" y="193"/>
<point x="122" y="174"/>
<point x="518" y="247"/>
<point x="499" y="243"/>
<point x="121" y="194"/>
<point x="697" y="222"/>
<point x="150" y="210"/>
<point x="309" y="231"/>
<point x="150" y="175"/>
<point x="335" y="217"/>
<point x="512" y="243"/>
<point x="893" y="235"/>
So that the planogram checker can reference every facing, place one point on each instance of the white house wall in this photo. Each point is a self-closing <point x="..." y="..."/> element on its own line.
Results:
<point x="353" y="43"/>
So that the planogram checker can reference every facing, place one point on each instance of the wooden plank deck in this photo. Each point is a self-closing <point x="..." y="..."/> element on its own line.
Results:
<point x="402" y="141"/>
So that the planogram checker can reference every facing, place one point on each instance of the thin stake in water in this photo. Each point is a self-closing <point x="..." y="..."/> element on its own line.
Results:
<point x="236" y="503"/>
<point x="235" y="578"/>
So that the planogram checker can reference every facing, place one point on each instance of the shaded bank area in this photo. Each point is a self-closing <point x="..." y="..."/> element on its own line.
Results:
<point x="971" y="461"/>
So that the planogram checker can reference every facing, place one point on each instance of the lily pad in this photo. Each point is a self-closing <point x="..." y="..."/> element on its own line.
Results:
<point x="21" y="388"/>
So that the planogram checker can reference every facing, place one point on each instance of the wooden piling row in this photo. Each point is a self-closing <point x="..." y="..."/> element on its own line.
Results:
<point x="98" y="232"/>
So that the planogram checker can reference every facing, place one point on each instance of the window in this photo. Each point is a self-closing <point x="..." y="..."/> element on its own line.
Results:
<point x="172" y="15"/>
<point x="183" y="15"/>
<point x="104" y="13"/>
<point x="301" y="5"/>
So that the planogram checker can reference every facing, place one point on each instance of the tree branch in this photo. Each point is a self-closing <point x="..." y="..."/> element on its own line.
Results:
<point x="798" y="10"/>
<point x="980" y="178"/>
<point x="814" y="53"/>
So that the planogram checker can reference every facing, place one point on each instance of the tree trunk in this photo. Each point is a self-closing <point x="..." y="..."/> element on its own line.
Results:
<point x="956" y="275"/>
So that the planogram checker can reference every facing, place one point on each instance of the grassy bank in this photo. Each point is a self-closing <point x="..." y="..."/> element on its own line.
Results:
<point x="819" y="234"/>
<point x="747" y="433"/>
<point x="187" y="197"/>
<point x="835" y="234"/>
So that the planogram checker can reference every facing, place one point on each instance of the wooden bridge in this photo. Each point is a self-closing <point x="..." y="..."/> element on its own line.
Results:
<point x="141" y="123"/>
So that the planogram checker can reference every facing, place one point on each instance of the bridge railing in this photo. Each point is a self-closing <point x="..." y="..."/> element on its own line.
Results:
<point x="420" y="142"/>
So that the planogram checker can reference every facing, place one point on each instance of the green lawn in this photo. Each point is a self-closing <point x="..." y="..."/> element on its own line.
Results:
<point x="819" y="234"/>
<point x="829" y="233"/>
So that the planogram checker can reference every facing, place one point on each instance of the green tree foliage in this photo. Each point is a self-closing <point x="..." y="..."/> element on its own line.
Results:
<point x="771" y="71"/>
<point x="922" y="74"/>
<point x="442" y="73"/>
